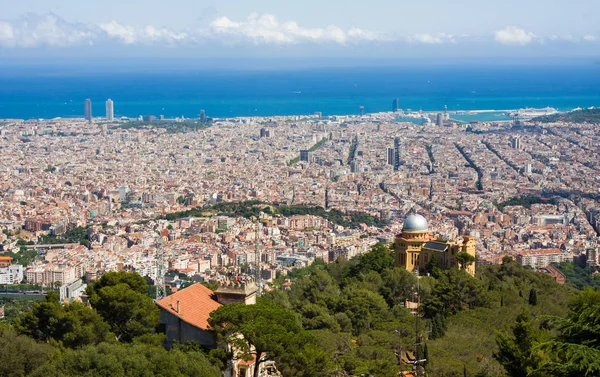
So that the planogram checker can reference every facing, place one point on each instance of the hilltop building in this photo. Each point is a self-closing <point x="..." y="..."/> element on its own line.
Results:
<point x="415" y="247"/>
<point x="184" y="314"/>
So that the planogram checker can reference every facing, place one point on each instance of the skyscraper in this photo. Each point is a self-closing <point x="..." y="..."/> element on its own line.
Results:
<point x="440" y="120"/>
<point x="516" y="142"/>
<point x="390" y="156"/>
<point x="88" y="110"/>
<point x="396" y="153"/>
<point x="110" y="110"/>
<point x="305" y="155"/>
<point x="362" y="110"/>
<point x="396" y="105"/>
<point x="202" y="116"/>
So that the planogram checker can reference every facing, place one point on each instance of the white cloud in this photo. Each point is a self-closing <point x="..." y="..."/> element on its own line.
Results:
<point x="34" y="30"/>
<point x="125" y="34"/>
<point x="512" y="35"/>
<point x="426" y="38"/>
<point x="267" y="29"/>
<point x="432" y="38"/>
<point x="148" y="34"/>
<point x="31" y="31"/>
<point x="7" y="35"/>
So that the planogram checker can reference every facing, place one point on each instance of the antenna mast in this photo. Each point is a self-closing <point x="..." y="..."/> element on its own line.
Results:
<point x="257" y="259"/>
<point x="159" y="282"/>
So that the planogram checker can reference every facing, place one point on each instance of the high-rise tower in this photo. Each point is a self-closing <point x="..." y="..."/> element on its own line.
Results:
<point x="440" y="120"/>
<point x="110" y="110"/>
<point x="396" y="105"/>
<point x="88" y="110"/>
<point x="397" y="153"/>
<point x="390" y="156"/>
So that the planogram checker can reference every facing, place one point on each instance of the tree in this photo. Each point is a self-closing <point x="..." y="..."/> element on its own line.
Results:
<point x="263" y="329"/>
<point x="73" y="325"/>
<point x="455" y="291"/>
<point x="438" y="326"/>
<point x="516" y="352"/>
<point x="399" y="285"/>
<point x="121" y="299"/>
<point x="378" y="259"/>
<point x="121" y="360"/>
<point x="21" y="355"/>
<point x="576" y="350"/>
<point x="465" y="259"/>
<point x="533" y="297"/>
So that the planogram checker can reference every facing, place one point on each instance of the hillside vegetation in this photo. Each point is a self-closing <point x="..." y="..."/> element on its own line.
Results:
<point x="341" y="319"/>
<point x="579" y="116"/>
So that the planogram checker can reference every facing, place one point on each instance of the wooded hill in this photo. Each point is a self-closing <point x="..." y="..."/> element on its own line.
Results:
<point x="341" y="319"/>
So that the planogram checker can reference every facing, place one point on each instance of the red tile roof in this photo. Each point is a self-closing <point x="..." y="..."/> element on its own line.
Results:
<point x="196" y="302"/>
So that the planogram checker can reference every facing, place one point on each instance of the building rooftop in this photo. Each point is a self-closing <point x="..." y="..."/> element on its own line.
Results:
<point x="192" y="305"/>
<point x="415" y="223"/>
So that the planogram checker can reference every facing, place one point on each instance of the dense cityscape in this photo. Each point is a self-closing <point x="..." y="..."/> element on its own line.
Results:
<point x="241" y="205"/>
<point x="119" y="179"/>
<point x="299" y="189"/>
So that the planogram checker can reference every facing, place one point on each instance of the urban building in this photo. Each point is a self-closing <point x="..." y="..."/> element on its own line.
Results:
<point x="305" y="155"/>
<point x="110" y="110"/>
<point x="440" y="120"/>
<point x="395" y="105"/>
<point x="88" y="109"/>
<point x="415" y="247"/>
<point x="184" y="316"/>
<point x="266" y="132"/>
<point x="5" y="261"/>
<point x="542" y="257"/>
<point x="12" y="274"/>
<point x="515" y="142"/>
<point x="72" y="290"/>
<point x="390" y="156"/>
<point x="397" y="146"/>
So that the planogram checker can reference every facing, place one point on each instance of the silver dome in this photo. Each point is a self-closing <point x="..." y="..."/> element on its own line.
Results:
<point x="415" y="223"/>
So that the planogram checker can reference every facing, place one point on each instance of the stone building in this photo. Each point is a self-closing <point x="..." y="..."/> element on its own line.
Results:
<point x="415" y="247"/>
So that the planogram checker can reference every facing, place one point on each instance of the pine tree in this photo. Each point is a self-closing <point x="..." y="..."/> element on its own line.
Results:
<point x="533" y="297"/>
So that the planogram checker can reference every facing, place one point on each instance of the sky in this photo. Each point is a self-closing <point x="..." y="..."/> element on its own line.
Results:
<point x="334" y="29"/>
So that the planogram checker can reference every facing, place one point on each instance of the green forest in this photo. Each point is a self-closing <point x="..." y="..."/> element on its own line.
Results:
<point x="253" y="208"/>
<point x="579" y="116"/>
<point x="341" y="319"/>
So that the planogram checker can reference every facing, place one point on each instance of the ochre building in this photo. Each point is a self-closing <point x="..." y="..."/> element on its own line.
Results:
<point x="415" y="247"/>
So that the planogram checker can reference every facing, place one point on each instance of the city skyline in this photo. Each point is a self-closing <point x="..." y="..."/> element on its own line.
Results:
<point x="266" y="29"/>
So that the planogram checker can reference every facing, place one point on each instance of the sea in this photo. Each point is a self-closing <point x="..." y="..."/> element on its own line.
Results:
<point x="37" y="92"/>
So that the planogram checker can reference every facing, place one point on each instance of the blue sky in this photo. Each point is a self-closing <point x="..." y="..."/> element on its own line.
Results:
<point x="282" y="28"/>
